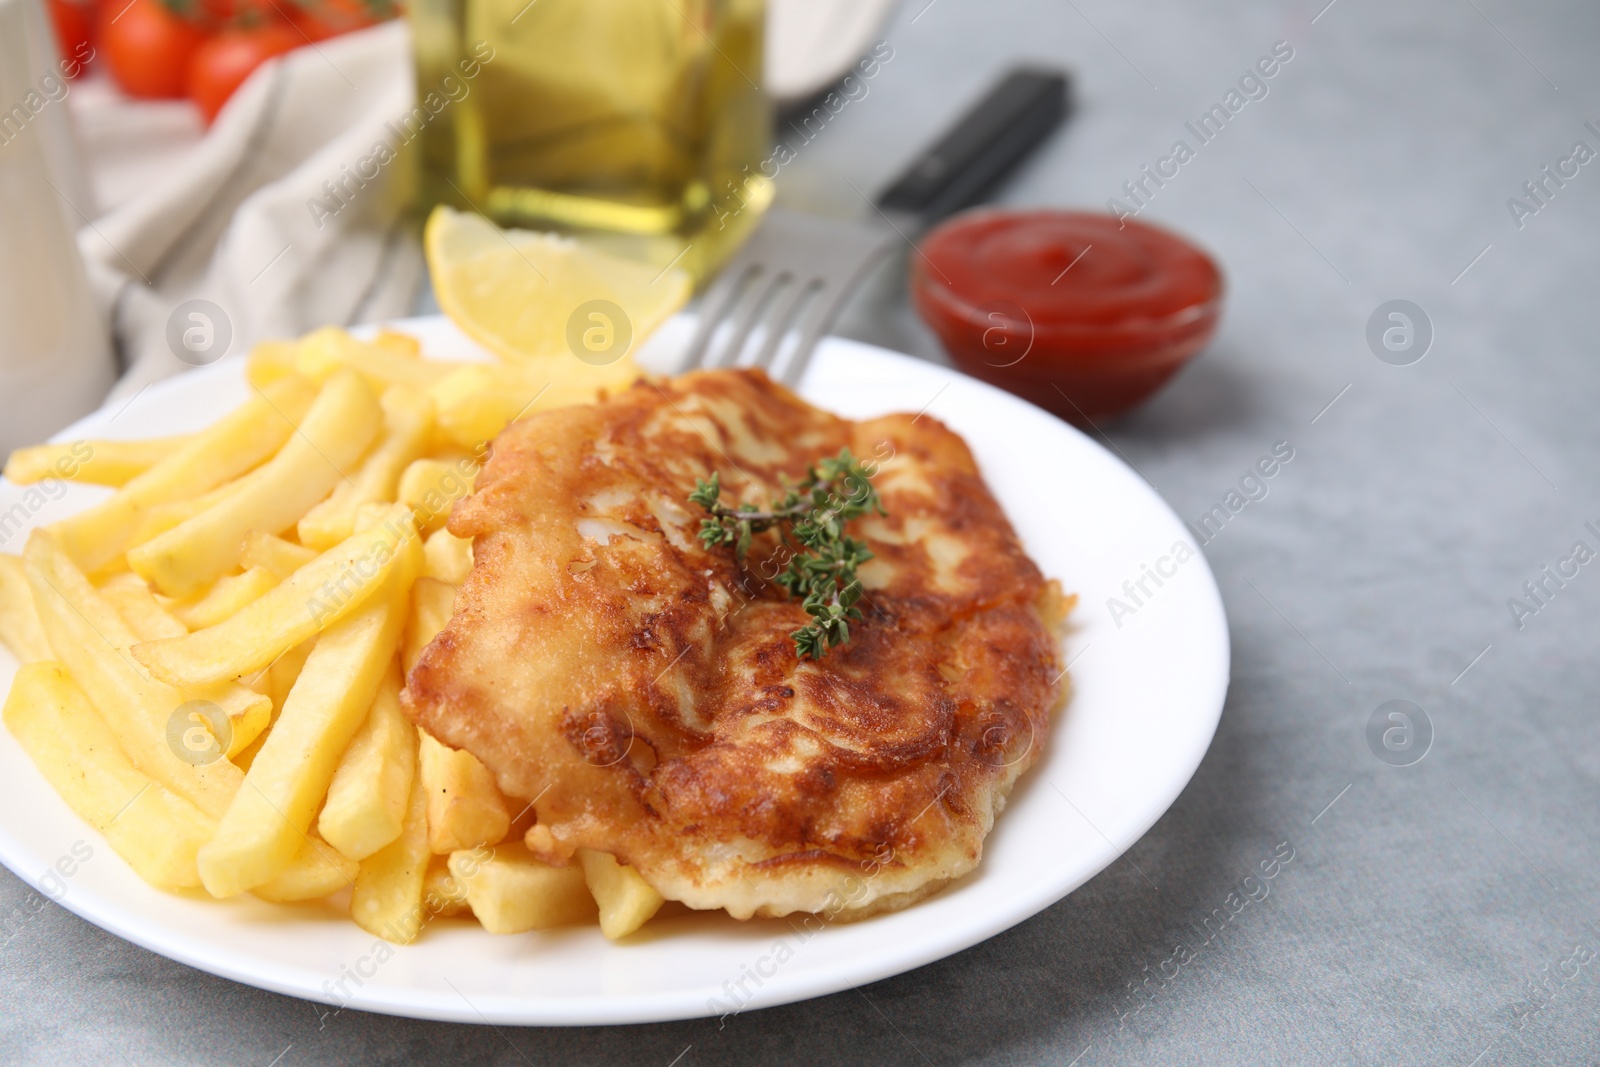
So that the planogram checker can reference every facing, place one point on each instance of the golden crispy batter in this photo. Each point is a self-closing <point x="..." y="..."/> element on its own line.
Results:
<point x="645" y="693"/>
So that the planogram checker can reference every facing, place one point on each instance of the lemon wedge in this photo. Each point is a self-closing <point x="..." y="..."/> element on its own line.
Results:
<point x="532" y="296"/>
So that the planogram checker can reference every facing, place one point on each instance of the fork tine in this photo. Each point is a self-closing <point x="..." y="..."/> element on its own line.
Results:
<point x="824" y="309"/>
<point x="719" y="300"/>
<point x="822" y="259"/>
<point x="719" y="351"/>
<point x="760" y="295"/>
<point x="781" y="319"/>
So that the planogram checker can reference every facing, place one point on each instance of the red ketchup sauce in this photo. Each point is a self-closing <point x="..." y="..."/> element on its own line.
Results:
<point x="1077" y="312"/>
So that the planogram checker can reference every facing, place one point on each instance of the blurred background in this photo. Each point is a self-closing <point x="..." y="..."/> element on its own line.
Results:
<point x="277" y="158"/>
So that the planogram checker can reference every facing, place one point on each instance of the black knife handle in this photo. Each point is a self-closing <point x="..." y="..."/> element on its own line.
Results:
<point x="991" y="138"/>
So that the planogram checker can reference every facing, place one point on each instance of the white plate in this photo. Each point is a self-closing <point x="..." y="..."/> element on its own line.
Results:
<point x="1146" y="697"/>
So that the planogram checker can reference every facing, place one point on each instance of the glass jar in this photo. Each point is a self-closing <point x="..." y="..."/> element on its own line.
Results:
<point x="638" y="123"/>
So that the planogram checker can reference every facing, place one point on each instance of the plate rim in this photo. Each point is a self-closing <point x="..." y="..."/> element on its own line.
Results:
<point x="413" y="1002"/>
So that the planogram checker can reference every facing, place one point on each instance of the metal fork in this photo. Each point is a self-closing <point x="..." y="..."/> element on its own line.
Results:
<point x="796" y="272"/>
<point x="793" y="274"/>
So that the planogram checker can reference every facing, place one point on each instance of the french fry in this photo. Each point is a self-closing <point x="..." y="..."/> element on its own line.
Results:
<point x="388" y="896"/>
<point x="226" y="597"/>
<point x="396" y="343"/>
<point x="285" y="671"/>
<point x="90" y="638"/>
<point x="248" y="712"/>
<point x="234" y="444"/>
<point x="163" y="517"/>
<point x="475" y="402"/>
<point x="465" y="807"/>
<point x="442" y="896"/>
<point x="280" y="557"/>
<point x="367" y="798"/>
<point x="270" y="361"/>
<point x="276" y="681"/>
<point x="432" y="602"/>
<point x="512" y="893"/>
<point x="19" y="619"/>
<point x="625" y="899"/>
<point x="370" y="514"/>
<point x="322" y="353"/>
<point x="446" y="557"/>
<point x="289" y="776"/>
<point x="332" y="348"/>
<point x="334" y="433"/>
<point x="130" y="595"/>
<point x="407" y="426"/>
<point x="478" y="400"/>
<point x="112" y="463"/>
<point x="432" y="486"/>
<point x="315" y="597"/>
<point x="158" y="832"/>
<point x="299" y="644"/>
<point x="247" y="755"/>
<point x="315" y="871"/>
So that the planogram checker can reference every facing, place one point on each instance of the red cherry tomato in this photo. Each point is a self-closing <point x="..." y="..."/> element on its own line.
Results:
<point x="147" y="47"/>
<point x="223" y="63"/>
<point x="72" y="22"/>
<point x="220" y="12"/>
<point x="244" y="13"/>
<point x="322" y="19"/>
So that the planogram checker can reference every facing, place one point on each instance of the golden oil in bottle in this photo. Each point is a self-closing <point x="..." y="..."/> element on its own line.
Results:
<point x="638" y="123"/>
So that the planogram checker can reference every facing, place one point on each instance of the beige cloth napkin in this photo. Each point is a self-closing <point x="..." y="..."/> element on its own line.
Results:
<point x="229" y="217"/>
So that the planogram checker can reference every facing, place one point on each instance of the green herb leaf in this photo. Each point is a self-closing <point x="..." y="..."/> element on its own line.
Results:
<point x="814" y="513"/>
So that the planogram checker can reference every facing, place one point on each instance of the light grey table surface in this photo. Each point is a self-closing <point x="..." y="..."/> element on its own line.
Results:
<point x="1424" y="904"/>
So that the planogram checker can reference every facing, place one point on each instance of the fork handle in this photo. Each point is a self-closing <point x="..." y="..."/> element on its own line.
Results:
<point x="996" y="134"/>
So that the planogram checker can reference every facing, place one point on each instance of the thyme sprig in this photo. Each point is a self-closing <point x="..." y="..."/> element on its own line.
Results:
<point x="810" y="519"/>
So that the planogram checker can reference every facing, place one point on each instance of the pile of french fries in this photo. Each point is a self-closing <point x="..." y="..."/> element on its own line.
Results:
<point x="213" y="655"/>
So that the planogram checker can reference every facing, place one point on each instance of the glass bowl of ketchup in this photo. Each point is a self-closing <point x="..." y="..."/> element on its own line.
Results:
<point x="1083" y="314"/>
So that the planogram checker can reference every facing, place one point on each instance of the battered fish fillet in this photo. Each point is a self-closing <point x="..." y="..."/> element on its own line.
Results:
<point x="645" y="694"/>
